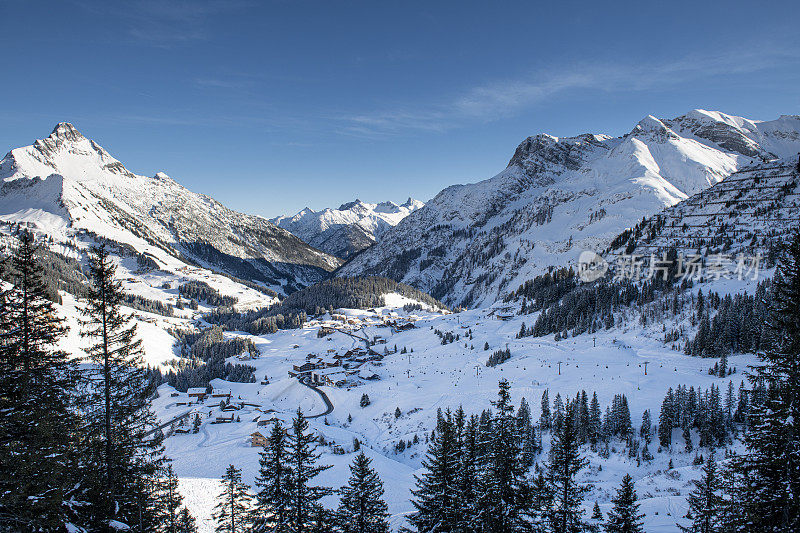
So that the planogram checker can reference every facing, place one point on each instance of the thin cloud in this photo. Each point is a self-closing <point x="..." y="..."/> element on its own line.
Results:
<point x="166" y="23"/>
<point x="500" y="99"/>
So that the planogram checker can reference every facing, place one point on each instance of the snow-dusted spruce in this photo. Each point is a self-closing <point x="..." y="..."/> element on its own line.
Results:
<point x="233" y="504"/>
<point x="705" y="501"/>
<point x="304" y="497"/>
<point x="361" y="506"/>
<point x="624" y="517"/>
<point x="563" y="466"/>
<point x="120" y="457"/>
<point x="765" y="485"/>
<point x="274" y="483"/>
<point x="39" y="423"/>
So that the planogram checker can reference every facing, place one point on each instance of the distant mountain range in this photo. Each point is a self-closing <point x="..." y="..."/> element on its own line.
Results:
<point x="69" y="188"/>
<point x="560" y="196"/>
<point x="349" y="229"/>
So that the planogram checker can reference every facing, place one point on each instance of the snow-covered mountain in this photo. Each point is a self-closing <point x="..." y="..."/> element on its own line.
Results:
<point x="351" y="228"/>
<point x="560" y="196"/>
<point x="68" y="187"/>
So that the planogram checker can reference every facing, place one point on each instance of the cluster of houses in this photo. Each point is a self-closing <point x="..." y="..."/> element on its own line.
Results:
<point x="336" y="369"/>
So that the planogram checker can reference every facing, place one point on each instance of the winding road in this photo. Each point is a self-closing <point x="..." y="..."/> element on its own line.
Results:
<point x="328" y="403"/>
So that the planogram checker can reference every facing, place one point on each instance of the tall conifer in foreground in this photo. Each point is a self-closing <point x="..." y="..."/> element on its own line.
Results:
<point x="705" y="501"/>
<point x="233" y="504"/>
<point x="38" y="420"/>
<point x="273" y="499"/>
<point x="624" y="517"/>
<point x="303" y="456"/>
<point x="562" y="470"/>
<point x="436" y="499"/>
<point x="361" y="506"/>
<point x="766" y="479"/>
<point x="504" y="491"/>
<point x="122" y="459"/>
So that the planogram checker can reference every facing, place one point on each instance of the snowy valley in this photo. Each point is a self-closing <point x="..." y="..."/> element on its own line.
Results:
<point x="244" y="320"/>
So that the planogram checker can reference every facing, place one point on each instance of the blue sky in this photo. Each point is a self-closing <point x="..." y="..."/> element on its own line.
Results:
<point x="277" y="105"/>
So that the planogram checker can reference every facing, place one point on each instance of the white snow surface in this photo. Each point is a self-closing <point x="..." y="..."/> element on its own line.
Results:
<point x="561" y="196"/>
<point x="435" y="376"/>
<point x="350" y="228"/>
<point x="67" y="186"/>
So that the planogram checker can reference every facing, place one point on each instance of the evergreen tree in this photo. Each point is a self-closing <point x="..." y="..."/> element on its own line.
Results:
<point x="303" y="457"/>
<point x="563" y="467"/>
<point x="436" y="502"/>
<point x="503" y="488"/>
<point x="624" y="517"/>
<point x="38" y="425"/>
<point x="168" y="501"/>
<point x="646" y="431"/>
<point x="705" y="501"/>
<point x="186" y="522"/>
<point x="545" y="420"/>
<point x="361" y="506"/>
<point x="122" y="458"/>
<point x="273" y="499"/>
<point x="767" y="477"/>
<point x="232" y="509"/>
<point x="665" y="420"/>
<point x="595" y="420"/>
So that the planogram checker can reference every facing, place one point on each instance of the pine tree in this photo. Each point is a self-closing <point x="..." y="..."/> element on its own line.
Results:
<point x="361" y="506"/>
<point x="562" y="470"/>
<point x="503" y="487"/>
<point x="232" y="509"/>
<point x="665" y="420"/>
<point x="273" y="499"/>
<point x="435" y="501"/>
<point x="705" y="501"/>
<point x="595" y="420"/>
<point x="122" y="459"/>
<point x="624" y="517"/>
<point x="545" y="420"/>
<point x="767" y="477"/>
<point x="303" y="456"/>
<point x="597" y="514"/>
<point x="186" y="522"/>
<point x="167" y="502"/>
<point x="38" y="425"/>
<point x="646" y="430"/>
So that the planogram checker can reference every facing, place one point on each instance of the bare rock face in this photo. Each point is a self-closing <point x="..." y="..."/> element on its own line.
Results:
<point x="560" y="196"/>
<point x="67" y="185"/>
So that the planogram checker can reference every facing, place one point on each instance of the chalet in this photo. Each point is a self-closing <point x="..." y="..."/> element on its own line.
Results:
<point x="231" y="407"/>
<point x="301" y="370"/>
<point x="221" y="394"/>
<point x="197" y="392"/>
<point x="257" y="439"/>
<point x="333" y="377"/>
<point x="182" y="431"/>
<point x="325" y="330"/>
<point x="266" y="421"/>
<point x="223" y="420"/>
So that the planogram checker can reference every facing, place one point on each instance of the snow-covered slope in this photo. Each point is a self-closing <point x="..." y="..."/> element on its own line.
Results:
<point x="560" y="196"/>
<point x="67" y="185"/>
<point x="350" y="228"/>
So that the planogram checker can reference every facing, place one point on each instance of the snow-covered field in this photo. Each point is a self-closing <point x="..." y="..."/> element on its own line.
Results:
<point x="437" y="376"/>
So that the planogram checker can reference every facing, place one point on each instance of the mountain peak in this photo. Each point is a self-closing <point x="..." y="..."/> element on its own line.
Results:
<point x="66" y="131"/>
